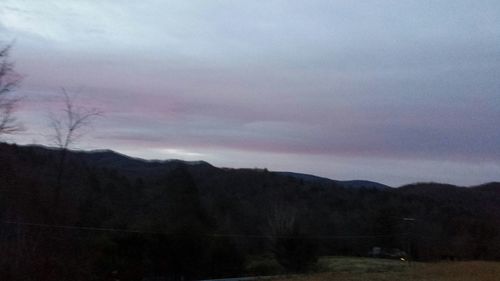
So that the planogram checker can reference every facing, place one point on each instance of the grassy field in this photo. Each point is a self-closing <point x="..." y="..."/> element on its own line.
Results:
<point x="366" y="269"/>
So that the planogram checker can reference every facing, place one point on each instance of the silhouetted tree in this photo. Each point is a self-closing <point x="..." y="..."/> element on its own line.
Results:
<point x="9" y="80"/>
<point x="67" y="129"/>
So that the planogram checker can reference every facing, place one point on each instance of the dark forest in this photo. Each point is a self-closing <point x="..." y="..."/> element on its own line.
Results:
<point x="109" y="216"/>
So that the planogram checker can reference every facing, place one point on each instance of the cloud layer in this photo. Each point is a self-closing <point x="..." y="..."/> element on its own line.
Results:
<point x="372" y="86"/>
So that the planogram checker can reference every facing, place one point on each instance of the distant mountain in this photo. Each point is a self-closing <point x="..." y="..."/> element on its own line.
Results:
<point x="363" y="184"/>
<point x="116" y="160"/>
<point x="130" y="166"/>
<point x="327" y="181"/>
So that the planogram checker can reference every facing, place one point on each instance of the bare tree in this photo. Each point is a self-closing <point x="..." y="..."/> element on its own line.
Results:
<point x="9" y="80"/>
<point x="292" y="248"/>
<point x="281" y="220"/>
<point x="67" y="129"/>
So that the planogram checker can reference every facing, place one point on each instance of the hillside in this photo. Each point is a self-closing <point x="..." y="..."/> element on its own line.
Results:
<point x="191" y="219"/>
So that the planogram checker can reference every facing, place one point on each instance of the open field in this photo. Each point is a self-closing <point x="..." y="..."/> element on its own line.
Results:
<point x="366" y="269"/>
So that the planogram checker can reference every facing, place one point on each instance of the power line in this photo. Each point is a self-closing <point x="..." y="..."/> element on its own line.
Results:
<point x="135" y="231"/>
<point x="88" y="228"/>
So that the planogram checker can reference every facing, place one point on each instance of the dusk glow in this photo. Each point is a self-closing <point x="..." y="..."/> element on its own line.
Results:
<point x="393" y="91"/>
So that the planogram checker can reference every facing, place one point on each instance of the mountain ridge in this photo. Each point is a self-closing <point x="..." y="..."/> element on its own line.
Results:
<point x="311" y="178"/>
<point x="109" y="155"/>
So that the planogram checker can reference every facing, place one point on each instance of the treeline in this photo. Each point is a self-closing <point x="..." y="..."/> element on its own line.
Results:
<point x="118" y="218"/>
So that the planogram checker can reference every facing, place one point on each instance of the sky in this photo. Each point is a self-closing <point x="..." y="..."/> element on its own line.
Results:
<point x="394" y="91"/>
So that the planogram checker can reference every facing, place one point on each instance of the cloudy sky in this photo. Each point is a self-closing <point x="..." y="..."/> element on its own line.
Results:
<point x="392" y="91"/>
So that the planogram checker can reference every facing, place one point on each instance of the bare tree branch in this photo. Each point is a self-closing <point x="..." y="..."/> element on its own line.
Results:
<point x="9" y="81"/>
<point x="67" y="128"/>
